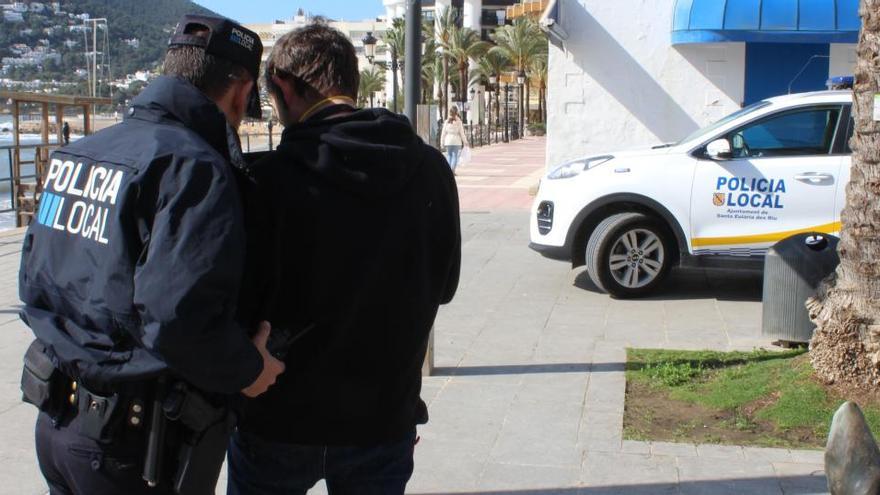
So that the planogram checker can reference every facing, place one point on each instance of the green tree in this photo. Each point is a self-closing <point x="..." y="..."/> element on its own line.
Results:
<point x="431" y="61"/>
<point x="521" y="42"/>
<point x="538" y="77"/>
<point x="463" y="46"/>
<point x="395" y="40"/>
<point x="446" y="21"/>
<point x="493" y="63"/>
<point x="372" y="81"/>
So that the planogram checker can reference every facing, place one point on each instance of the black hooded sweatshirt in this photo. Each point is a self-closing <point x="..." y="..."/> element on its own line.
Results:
<point x="358" y="234"/>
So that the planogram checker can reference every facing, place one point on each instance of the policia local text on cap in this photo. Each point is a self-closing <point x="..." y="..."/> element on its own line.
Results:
<point x="130" y="276"/>
<point x="226" y="40"/>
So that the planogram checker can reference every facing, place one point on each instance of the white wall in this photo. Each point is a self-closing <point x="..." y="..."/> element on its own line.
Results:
<point x="843" y="60"/>
<point x="617" y="82"/>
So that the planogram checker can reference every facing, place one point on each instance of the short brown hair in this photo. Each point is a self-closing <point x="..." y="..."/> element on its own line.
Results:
<point x="317" y="59"/>
<point x="210" y="74"/>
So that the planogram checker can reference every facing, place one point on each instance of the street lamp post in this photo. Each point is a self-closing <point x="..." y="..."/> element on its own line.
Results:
<point x="394" y="67"/>
<point x="521" y="80"/>
<point x="369" y="42"/>
<point x="472" y="93"/>
<point x="506" y="112"/>
<point x="414" y="48"/>
<point x="493" y="88"/>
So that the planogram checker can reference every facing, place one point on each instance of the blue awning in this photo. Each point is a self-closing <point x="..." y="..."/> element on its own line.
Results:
<point x="767" y="21"/>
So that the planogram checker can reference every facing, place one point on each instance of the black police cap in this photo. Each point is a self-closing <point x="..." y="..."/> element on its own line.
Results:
<point x="226" y="39"/>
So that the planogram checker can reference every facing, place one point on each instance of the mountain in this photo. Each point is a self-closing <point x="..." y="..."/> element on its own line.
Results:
<point x="138" y="36"/>
<point x="151" y="22"/>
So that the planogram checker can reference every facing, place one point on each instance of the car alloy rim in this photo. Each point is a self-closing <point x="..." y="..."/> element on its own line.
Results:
<point x="636" y="258"/>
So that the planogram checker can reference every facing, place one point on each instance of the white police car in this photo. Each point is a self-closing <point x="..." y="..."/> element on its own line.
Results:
<point x="719" y="198"/>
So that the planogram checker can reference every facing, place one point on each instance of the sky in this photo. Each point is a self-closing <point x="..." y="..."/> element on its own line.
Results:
<point x="258" y="11"/>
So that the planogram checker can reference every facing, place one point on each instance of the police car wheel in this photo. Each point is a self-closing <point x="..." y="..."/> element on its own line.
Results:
<point x="628" y="255"/>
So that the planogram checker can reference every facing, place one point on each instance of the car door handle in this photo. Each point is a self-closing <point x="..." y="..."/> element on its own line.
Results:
<point x="814" y="177"/>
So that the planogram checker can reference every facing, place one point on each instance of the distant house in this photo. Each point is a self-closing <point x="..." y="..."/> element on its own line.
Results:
<point x="12" y="16"/>
<point x="133" y="42"/>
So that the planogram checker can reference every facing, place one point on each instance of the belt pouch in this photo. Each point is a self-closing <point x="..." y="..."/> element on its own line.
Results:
<point x="39" y="378"/>
<point x="98" y="415"/>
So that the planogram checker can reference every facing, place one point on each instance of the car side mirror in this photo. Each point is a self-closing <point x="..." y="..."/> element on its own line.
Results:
<point x="719" y="149"/>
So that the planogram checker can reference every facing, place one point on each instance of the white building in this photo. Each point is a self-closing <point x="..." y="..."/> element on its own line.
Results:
<point x="632" y="73"/>
<point x="480" y="15"/>
<point x="10" y="16"/>
<point x="354" y="30"/>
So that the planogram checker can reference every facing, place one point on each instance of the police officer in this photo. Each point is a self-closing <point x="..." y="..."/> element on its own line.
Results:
<point x="131" y="270"/>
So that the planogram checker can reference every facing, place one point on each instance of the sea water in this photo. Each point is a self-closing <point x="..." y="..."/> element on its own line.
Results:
<point x="7" y="219"/>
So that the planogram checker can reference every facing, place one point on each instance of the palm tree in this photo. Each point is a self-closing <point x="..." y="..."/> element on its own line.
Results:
<point x="538" y="71"/>
<point x="521" y="42"/>
<point x="372" y="82"/>
<point x="446" y="20"/>
<point x="846" y="346"/>
<point x="396" y="42"/>
<point x="492" y="63"/>
<point x="430" y="61"/>
<point x="463" y="46"/>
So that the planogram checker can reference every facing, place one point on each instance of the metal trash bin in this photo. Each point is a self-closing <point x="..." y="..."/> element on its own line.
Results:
<point x="793" y="270"/>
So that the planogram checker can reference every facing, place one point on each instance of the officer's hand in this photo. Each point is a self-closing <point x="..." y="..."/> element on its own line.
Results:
<point x="271" y="367"/>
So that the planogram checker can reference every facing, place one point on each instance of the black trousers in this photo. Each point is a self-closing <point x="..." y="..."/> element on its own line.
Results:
<point x="76" y="465"/>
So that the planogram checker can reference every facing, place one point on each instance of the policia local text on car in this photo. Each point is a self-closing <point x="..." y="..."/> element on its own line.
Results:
<point x="130" y="277"/>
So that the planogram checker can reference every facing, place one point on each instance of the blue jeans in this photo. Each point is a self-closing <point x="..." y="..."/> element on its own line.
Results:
<point x="261" y="467"/>
<point x="452" y="154"/>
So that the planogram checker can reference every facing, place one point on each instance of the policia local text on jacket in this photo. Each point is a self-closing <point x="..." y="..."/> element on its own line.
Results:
<point x="131" y="268"/>
<point x="368" y="246"/>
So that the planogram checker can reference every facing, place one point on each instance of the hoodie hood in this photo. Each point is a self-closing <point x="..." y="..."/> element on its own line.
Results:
<point x="371" y="152"/>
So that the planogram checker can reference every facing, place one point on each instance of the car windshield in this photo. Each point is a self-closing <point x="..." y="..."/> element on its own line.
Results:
<point x="726" y="120"/>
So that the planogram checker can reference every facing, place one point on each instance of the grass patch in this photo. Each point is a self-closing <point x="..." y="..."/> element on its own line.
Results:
<point x="748" y="398"/>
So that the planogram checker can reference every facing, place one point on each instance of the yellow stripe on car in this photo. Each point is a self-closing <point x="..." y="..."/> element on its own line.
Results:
<point x="829" y="228"/>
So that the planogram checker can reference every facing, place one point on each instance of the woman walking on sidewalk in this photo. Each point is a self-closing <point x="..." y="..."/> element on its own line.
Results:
<point x="453" y="137"/>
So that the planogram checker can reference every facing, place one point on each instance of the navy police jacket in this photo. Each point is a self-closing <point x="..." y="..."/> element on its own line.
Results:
<point x="132" y="265"/>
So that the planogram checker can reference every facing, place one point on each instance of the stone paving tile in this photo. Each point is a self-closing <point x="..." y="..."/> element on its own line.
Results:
<point x="604" y="469"/>
<point x="541" y="479"/>
<point x="768" y="454"/>
<point x="720" y="451"/>
<point x="808" y="456"/>
<point x="674" y="449"/>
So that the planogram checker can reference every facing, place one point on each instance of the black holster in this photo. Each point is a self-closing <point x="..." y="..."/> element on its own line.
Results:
<point x="206" y="437"/>
<point x="41" y="383"/>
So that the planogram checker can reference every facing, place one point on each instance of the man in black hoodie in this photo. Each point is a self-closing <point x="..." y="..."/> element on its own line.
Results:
<point x="366" y="246"/>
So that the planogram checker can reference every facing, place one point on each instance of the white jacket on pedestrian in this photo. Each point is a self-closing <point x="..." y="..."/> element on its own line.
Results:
<point x="453" y="133"/>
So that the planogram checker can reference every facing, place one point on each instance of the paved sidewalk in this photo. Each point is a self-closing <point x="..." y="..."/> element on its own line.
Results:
<point x="529" y="394"/>
<point x="499" y="176"/>
<point x="528" y="397"/>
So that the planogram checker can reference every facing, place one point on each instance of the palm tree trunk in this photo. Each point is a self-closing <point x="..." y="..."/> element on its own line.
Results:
<point x="527" y="104"/>
<point x="544" y="100"/>
<point x="445" y="104"/>
<point x="846" y="346"/>
<point x="462" y="84"/>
